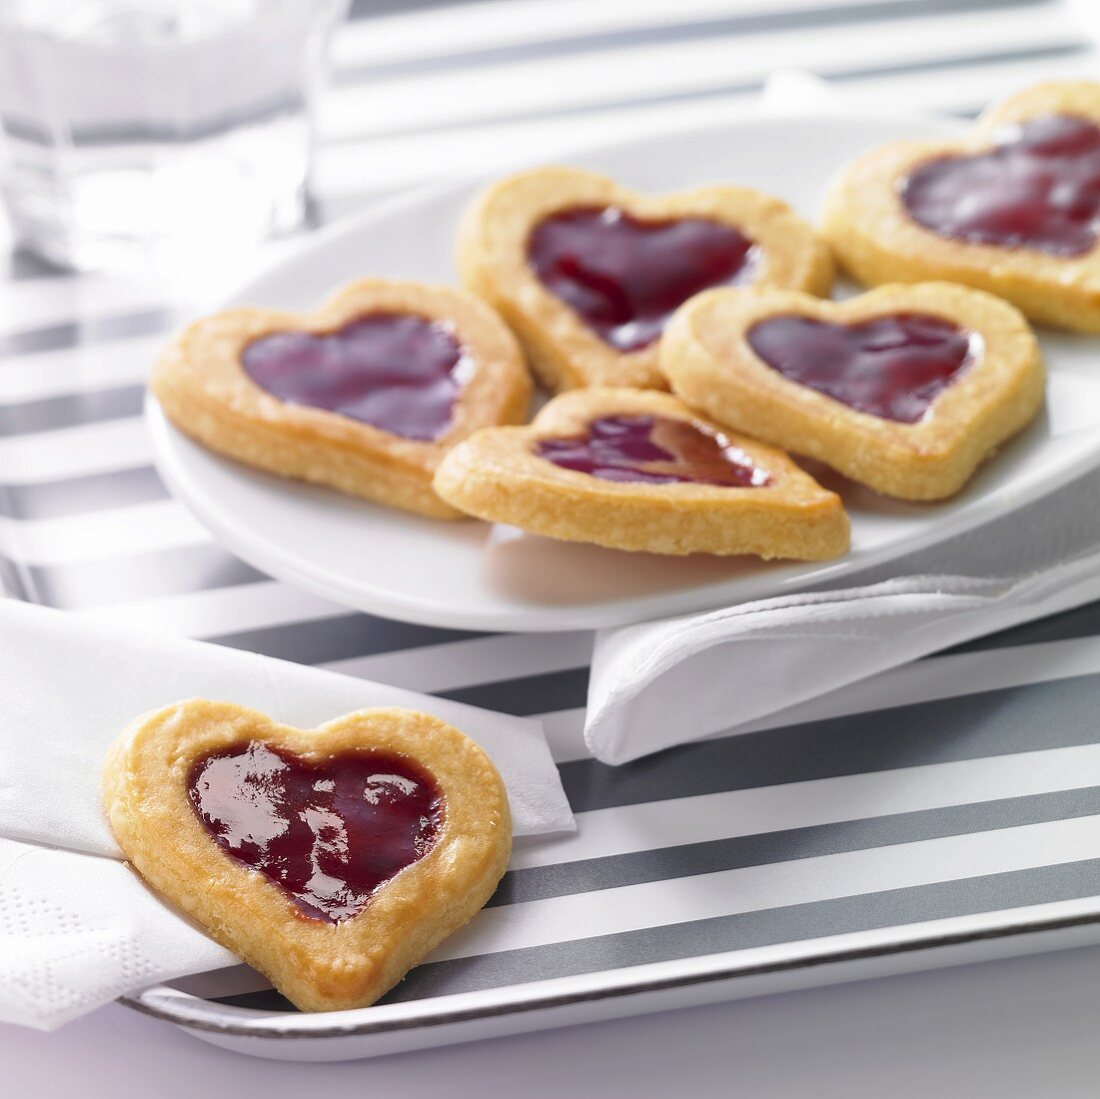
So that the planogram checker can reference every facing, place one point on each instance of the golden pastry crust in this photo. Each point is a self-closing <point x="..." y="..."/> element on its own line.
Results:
<point x="564" y="352"/>
<point x="706" y="355"/>
<point x="319" y="966"/>
<point x="206" y="393"/>
<point x="876" y="240"/>
<point x="496" y="476"/>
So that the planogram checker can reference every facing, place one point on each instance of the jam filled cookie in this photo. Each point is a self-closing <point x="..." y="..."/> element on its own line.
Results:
<point x="1014" y="210"/>
<point x="364" y="395"/>
<point x="332" y="859"/>
<point x="637" y="470"/>
<point x="906" y="389"/>
<point x="587" y="272"/>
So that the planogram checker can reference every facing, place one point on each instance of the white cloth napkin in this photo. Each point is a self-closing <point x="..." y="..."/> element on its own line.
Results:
<point x="77" y="928"/>
<point x="663" y="683"/>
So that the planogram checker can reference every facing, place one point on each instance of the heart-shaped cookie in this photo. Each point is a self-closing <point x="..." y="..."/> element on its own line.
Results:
<point x="906" y="389"/>
<point x="1014" y="209"/>
<point x="331" y="859"/>
<point x="587" y="272"/>
<point x="638" y="470"/>
<point x="364" y="395"/>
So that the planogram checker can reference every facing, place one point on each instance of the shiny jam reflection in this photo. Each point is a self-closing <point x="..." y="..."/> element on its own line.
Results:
<point x="625" y="277"/>
<point x="394" y="371"/>
<point x="655" y="450"/>
<point x="893" y="367"/>
<point x="328" y="833"/>
<point x="1038" y="188"/>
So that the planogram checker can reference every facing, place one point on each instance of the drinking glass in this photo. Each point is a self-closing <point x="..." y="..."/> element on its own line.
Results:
<point x="143" y="133"/>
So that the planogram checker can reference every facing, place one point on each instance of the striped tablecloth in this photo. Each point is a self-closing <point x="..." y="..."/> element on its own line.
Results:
<point x="966" y="783"/>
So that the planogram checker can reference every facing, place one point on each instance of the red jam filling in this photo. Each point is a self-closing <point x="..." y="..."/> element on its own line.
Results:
<point x="394" y="371"/>
<point x="893" y="367"/>
<point x="330" y="833"/>
<point x="1039" y="188"/>
<point x="654" y="450"/>
<point x="626" y="277"/>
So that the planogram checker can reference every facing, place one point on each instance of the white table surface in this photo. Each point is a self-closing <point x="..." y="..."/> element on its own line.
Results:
<point x="1025" y="1027"/>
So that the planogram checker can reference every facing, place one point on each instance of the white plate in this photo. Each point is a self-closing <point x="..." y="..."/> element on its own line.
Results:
<point x="473" y="576"/>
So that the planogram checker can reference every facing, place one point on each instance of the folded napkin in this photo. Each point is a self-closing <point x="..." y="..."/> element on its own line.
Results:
<point x="77" y="928"/>
<point x="663" y="683"/>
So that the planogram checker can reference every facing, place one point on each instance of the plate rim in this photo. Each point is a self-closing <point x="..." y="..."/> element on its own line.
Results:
<point x="198" y="1013"/>
<point x="264" y="555"/>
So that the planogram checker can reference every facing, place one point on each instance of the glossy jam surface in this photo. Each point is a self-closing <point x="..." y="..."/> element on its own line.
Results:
<point x="395" y="371"/>
<point x="329" y="833"/>
<point x="626" y="277"/>
<point x="654" y="450"/>
<point x="893" y="366"/>
<point x="1038" y="188"/>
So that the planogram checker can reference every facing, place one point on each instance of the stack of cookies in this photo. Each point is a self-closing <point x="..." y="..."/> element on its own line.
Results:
<point x="691" y="345"/>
